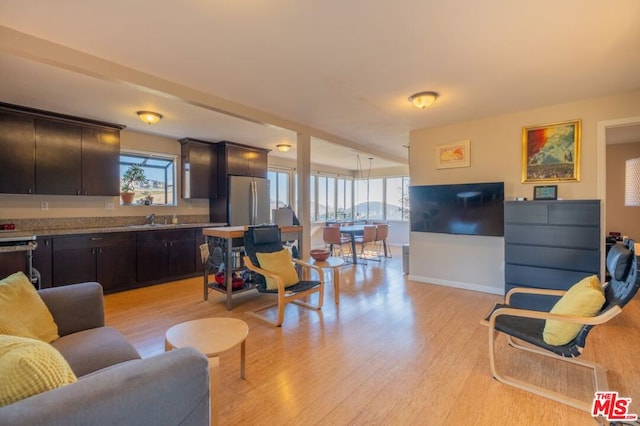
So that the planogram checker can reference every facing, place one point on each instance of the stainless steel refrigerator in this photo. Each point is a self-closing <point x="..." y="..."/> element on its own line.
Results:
<point x="248" y="200"/>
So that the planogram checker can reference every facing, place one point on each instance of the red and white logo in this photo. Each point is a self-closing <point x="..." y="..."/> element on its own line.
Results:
<point x="612" y="407"/>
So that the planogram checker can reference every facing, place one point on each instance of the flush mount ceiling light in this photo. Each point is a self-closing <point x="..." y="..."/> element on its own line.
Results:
<point x="283" y="147"/>
<point x="423" y="99"/>
<point x="149" y="117"/>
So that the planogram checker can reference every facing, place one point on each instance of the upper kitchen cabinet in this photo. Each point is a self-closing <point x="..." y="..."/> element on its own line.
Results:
<point x="17" y="151"/>
<point x="58" y="158"/>
<point x="100" y="161"/>
<point x="199" y="169"/>
<point x="57" y="154"/>
<point x="241" y="160"/>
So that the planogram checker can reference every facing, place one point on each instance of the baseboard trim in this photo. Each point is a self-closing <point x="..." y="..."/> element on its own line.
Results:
<point x="457" y="284"/>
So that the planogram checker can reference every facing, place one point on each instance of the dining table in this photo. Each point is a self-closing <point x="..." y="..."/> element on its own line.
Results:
<point x="358" y="230"/>
<point x="353" y="231"/>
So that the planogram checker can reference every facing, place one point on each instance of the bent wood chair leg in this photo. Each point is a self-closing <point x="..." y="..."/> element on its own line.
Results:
<point x="598" y="371"/>
<point x="282" y="303"/>
<point x="257" y="314"/>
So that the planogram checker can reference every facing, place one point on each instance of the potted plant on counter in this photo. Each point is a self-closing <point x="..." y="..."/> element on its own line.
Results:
<point x="133" y="175"/>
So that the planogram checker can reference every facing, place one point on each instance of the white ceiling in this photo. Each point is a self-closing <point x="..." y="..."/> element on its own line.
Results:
<point x="340" y="71"/>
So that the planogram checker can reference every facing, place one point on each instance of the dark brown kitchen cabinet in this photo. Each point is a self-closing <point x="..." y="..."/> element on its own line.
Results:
<point x="163" y="255"/>
<point x="58" y="158"/>
<point x="42" y="260"/>
<point x="240" y="160"/>
<point x="109" y="259"/>
<point x="100" y="161"/>
<point x="47" y="153"/>
<point x="17" y="151"/>
<point x="199" y="168"/>
<point x="12" y="262"/>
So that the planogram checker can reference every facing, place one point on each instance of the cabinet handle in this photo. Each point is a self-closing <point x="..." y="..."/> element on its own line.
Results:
<point x="86" y="192"/>
<point x="95" y="238"/>
<point x="77" y="192"/>
<point x="93" y="251"/>
<point x="100" y="251"/>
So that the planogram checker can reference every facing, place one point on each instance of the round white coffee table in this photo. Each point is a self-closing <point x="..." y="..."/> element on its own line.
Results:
<point x="211" y="336"/>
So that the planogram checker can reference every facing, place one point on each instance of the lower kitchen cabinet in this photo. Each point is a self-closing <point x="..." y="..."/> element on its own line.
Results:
<point x="109" y="259"/>
<point x="163" y="255"/>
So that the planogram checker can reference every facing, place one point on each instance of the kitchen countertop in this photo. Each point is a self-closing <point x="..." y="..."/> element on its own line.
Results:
<point x="124" y="228"/>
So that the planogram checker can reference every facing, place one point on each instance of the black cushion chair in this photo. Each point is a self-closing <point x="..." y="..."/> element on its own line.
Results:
<point x="267" y="239"/>
<point x="524" y="328"/>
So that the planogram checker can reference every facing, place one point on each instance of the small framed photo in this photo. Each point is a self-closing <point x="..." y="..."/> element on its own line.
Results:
<point x="545" y="192"/>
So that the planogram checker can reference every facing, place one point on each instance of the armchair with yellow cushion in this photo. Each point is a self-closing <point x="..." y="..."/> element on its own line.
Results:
<point x="561" y="333"/>
<point x="276" y="274"/>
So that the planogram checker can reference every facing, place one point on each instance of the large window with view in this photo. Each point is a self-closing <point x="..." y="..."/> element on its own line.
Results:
<point x="278" y="189"/>
<point x="158" y="186"/>
<point x="382" y="199"/>
<point x="326" y="198"/>
<point x="335" y="198"/>
<point x="345" y="199"/>
<point x="397" y="198"/>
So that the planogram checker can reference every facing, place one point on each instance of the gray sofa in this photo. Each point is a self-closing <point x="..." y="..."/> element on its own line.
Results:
<point x="115" y="386"/>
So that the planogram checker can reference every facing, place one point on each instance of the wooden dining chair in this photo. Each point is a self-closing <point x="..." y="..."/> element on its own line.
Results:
<point x="337" y="242"/>
<point x="382" y="232"/>
<point x="368" y="237"/>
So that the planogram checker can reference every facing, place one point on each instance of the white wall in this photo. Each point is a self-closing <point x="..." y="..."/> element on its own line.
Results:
<point x="496" y="155"/>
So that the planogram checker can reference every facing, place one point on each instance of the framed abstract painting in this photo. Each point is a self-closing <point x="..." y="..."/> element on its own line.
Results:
<point x="551" y="152"/>
<point x="455" y="154"/>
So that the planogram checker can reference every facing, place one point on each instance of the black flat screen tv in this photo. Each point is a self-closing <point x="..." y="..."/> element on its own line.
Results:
<point x="468" y="208"/>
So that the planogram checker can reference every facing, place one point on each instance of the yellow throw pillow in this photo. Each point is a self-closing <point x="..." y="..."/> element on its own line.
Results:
<point x="29" y="367"/>
<point x="584" y="299"/>
<point x="23" y="311"/>
<point x="278" y="262"/>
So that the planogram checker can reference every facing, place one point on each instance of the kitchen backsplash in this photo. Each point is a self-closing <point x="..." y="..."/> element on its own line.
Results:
<point x="95" y="222"/>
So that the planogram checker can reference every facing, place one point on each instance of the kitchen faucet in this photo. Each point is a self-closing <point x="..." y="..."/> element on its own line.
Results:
<point x="151" y="219"/>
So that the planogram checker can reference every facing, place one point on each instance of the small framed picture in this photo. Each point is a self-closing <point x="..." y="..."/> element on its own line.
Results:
<point x="455" y="154"/>
<point x="545" y="192"/>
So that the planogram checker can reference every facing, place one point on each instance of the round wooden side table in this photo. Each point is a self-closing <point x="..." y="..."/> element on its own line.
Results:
<point x="332" y="263"/>
<point x="211" y="336"/>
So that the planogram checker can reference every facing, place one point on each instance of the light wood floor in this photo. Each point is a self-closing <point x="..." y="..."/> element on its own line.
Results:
<point x="393" y="352"/>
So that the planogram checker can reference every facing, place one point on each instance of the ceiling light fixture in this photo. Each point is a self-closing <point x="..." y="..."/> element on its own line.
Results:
<point x="283" y="147"/>
<point x="149" y="117"/>
<point x="423" y="99"/>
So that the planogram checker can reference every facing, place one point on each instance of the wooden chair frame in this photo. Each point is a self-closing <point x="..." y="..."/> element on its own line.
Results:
<point x="286" y="296"/>
<point x="598" y="371"/>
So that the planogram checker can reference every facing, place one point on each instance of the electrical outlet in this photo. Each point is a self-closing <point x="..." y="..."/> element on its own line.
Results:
<point x="108" y="206"/>
<point x="44" y="205"/>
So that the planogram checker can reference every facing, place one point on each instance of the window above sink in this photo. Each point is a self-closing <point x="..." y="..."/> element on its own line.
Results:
<point x="160" y="172"/>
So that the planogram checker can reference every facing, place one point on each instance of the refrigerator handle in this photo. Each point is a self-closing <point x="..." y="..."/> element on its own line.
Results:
<point x="254" y="203"/>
